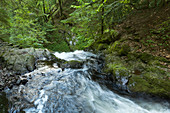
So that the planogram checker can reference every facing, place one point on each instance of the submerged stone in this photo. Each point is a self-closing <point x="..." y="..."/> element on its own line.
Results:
<point x="72" y="64"/>
<point x="3" y="103"/>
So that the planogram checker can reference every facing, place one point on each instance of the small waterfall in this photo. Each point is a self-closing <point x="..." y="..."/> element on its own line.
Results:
<point x="55" y="90"/>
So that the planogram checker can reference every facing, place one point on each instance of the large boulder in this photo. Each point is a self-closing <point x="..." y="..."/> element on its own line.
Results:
<point x="15" y="61"/>
<point x="138" y="73"/>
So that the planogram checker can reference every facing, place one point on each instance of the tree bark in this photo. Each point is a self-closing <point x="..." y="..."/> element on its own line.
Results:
<point x="45" y="18"/>
<point x="155" y="3"/>
<point x="61" y="10"/>
<point x="102" y="19"/>
<point x="148" y="2"/>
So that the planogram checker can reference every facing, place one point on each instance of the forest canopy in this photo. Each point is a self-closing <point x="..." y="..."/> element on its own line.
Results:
<point x="76" y="24"/>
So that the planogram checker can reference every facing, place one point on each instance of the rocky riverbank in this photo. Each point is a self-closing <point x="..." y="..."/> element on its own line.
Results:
<point x="15" y="61"/>
<point x="137" y="54"/>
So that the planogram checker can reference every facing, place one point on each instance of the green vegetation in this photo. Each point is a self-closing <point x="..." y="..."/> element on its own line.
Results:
<point x="31" y="23"/>
<point x="53" y="23"/>
<point x="144" y="72"/>
<point x="133" y="34"/>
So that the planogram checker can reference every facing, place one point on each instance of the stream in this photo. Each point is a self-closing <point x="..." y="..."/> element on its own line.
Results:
<point x="51" y="89"/>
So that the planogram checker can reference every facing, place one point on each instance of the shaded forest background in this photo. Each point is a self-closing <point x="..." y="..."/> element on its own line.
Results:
<point x="65" y="25"/>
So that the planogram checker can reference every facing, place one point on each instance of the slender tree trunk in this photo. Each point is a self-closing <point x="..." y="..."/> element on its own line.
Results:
<point x="102" y="19"/>
<point x="163" y="2"/>
<point x="148" y="2"/>
<point x="51" y="14"/>
<point x="155" y="3"/>
<point x="45" y="18"/>
<point x="61" y="10"/>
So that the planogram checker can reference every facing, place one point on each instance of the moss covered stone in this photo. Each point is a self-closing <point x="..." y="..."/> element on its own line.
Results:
<point x="117" y="69"/>
<point x="72" y="64"/>
<point x="145" y="57"/>
<point x="142" y="70"/>
<point x="3" y="103"/>
<point x="119" y="49"/>
<point x="102" y="46"/>
<point x="150" y="84"/>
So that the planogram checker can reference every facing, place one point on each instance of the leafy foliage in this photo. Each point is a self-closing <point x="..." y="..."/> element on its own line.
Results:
<point x="92" y="18"/>
<point x="37" y="22"/>
<point x="3" y="14"/>
<point x="29" y="21"/>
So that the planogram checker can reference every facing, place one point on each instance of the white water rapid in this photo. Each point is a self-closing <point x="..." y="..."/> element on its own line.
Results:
<point x="54" y="90"/>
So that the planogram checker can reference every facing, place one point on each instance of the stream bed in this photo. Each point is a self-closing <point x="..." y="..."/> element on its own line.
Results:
<point x="51" y="89"/>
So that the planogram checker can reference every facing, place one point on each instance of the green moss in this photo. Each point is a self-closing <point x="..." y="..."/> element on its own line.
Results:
<point x="72" y="64"/>
<point x="117" y="69"/>
<point x="154" y="62"/>
<point x="162" y="59"/>
<point x="113" y="47"/>
<point x="138" y="84"/>
<point x="102" y="46"/>
<point x="150" y="84"/>
<point x="120" y="49"/>
<point x="148" y="58"/>
<point x="155" y="70"/>
<point x="125" y="49"/>
<point x="131" y="57"/>
<point x="58" y="46"/>
<point x="160" y="86"/>
<point x="151" y="78"/>
<point x="145" y="57"/>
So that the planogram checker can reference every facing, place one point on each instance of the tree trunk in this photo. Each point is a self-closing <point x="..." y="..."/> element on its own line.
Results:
<point x="61" y="10"/>
<point x="45" y="18"/>
<point x="102" y="19"/>
<point x="155" y="3"/>
<point x="163" y="2"/>
<point x="148" y="2"/>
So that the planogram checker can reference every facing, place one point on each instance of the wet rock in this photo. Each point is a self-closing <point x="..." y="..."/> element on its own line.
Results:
<point x="15" y="61"/>
<point x="72" y="64"/>
<point x="138" y="72"/>
<point x="3" y="103"/>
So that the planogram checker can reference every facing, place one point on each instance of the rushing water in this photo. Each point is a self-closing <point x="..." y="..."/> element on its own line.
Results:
<point x="54" y="90"/>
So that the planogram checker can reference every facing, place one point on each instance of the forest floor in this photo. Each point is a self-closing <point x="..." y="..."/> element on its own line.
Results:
<point x="150" y="31"/>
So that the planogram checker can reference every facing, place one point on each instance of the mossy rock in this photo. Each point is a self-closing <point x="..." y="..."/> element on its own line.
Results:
<point x="109" y="37"/>
<point x="117" y="69"/>
<point x="131" y="57"/>
<point x="3" y="103"/>
<point x="162" y="59"/>
<point x="113" y="47"/>
<point x="145" y="57"/>
<point x="150" y="84"/>
<point x="147" y="76"/>
<point x="120" y="49"/>
<point x="125" y="49"/>
<point x="72" y="64"/>
<point x="156" y="70"/>
<point x="2" y="62"/>
<point x="102" y="46"/>
<point x="138" y="84"/>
